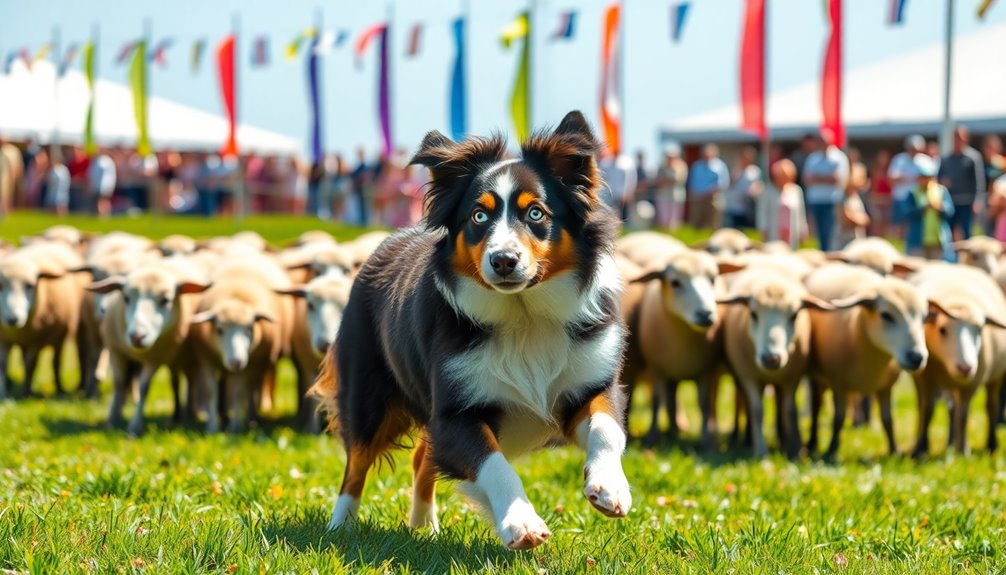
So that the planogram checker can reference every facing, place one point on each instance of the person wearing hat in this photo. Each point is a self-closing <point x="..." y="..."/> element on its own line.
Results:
<point x="903" y="178"/>
<point x="928" y="211"/>
<point x="669" y="188"/>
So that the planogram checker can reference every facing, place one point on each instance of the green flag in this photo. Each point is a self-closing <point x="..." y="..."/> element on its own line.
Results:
<point x="90" y="147"/>
<point x="520" y="101"/>
<point x="138" y="82"/>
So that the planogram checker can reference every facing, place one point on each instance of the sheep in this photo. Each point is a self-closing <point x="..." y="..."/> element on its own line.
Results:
<point x="177" y="244"/>
<point x="363" y="246"/>
<point x="727" y="242"/>
<point x="877" y="254"/>
<point x="317" y="316"/>
<point x="314" y="237"/>
<point x="240" y="330"/>
<point x="647" y="248"/>
<point x="146" y="323"/>
<point x="251" y="239"/>
<point x="862" y="347"/>
<point x="673" y="334"/>
<point x="966" y="337"/>
<point x="313" y="260"/>
<point x="812" y="257"/>
<point x="116" y="242"/>
<point x="767" y="340"/>
<point x="40" y="304"/>
<point x="68" y="235"/>
<point x="775" y="247"/>
<point x="981" y="252"/>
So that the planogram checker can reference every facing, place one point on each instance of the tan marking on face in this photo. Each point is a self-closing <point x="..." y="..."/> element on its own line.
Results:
<point x="467" y="259"/>
<point x="556" y="257"/>
<point x="487" y="201"/>
<point x="525" y="199"/>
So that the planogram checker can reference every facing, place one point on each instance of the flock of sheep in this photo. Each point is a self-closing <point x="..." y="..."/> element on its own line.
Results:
<point x="222" y="312"/>
<point x="219" y="312"/>
<point x="850" y="322"/>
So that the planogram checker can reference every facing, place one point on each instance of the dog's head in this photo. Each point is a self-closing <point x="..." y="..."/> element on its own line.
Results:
<point x="515" y="223"/>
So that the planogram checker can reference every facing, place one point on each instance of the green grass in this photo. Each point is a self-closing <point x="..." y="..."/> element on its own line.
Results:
<point x="76" y="498"/>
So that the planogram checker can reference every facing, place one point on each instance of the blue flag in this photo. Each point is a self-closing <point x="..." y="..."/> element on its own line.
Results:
<point x="458" y="104"/>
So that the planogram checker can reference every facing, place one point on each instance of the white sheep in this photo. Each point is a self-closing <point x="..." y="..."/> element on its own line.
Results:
<point x="240" y="331"/>
<point x="647" y="249"/>
<point x="177" y="244"/>
<point x="981" y="252"/>
<point x="114" y="242"/>
<point x="40" y="304"/>
<point x="877" y="254"/>
<point x="364" y="245"/>
<point x="314" y="260"/>
<point x="727" y="242"/>
<point x="862" y="347"/>
<point x="147" y="322"/>
<point x="966" y="337"/>
<point x="314" y="237"/>
<point x="317" y="316"/>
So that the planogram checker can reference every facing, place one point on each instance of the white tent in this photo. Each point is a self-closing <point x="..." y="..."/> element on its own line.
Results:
<point x="35" y="104"/>
<point x="893" y="97"/>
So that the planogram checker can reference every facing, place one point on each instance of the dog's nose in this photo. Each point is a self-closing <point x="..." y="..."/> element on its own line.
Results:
<point x="964" y="369"/>
<point x="771" y="360"/>
<point x="504" y="263"/>
<point x="10" y="320"/>
<point x="913" y="360"/>
<point x="135" y="338"/>
<point x="321" y="344"/>
<point x="704" y="317"/>
<point x="235" y="364"/>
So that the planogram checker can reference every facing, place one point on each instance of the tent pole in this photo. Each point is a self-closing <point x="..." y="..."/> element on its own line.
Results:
<point x="947" y="127"/>
<point x="240" y="199"/>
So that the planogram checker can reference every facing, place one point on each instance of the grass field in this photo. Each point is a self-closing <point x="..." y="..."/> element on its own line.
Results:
<point x="75" y="498"/>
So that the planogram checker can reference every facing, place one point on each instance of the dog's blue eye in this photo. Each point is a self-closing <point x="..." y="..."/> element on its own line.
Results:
<point x="480" y="216"/>
<point x="535" y="214"/>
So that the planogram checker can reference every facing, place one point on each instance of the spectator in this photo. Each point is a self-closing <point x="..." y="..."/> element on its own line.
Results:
<point x="780" y="206"/>
<point x="338" y="186"/>
<point x="644" y="183"/>
<point x="101" y="182"/>
<point x="620" y="174"/>
<point x="707" y="179"/>
<point x="32" y="175"/>
<point x="317" y="196"/>
<point x="930" y="211"/>
<point x="738" y="207"/>
<point x="825" y="175"/>
<point x="879" y="199"/>
<point x="852" y="216"/>
<point x="362" y="179"/>
<point x="963" y="173"/>
<point x="997" y="208"/>
<point x="669" y="189"/>
<point x="904" y="179"/>
<point x="995" y="166"/>
<point x="78" y="166"/>
<point x="807" y="146"/>
<point x="58" y="188"/>
<point x="167" y="184"/>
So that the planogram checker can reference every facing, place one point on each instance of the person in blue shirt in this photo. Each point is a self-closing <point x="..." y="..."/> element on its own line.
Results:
<point x="707" y="179"/>
<point x="929" y="210"/>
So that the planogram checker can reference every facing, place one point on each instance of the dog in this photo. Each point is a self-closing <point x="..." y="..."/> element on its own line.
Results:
<point x="493" y="329"/>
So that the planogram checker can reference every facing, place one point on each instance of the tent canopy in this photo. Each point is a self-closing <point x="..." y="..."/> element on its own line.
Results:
<point x="35" y="104"/>
<point x="890" y="98"/>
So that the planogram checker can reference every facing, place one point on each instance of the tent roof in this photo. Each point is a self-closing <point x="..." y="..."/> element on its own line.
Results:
<point x="31" y="107"/>
<point x="889" y="98"/>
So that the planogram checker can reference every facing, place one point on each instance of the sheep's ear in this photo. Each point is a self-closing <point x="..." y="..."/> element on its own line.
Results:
<point x="902" y="269"/>
<point x="203" y="317"/>
<point x="814" y="302"/>
<point x="836" y="257"/>
<point x="867" y="300"/>
<point x="936" y="308"/>
<point x="296" y="291"/>
<point x="192" y="287"/>
<point x="648" y="276"/>
<point x="261" y="316"/>
<point x="85" y="269"/>
<point x="727" y="267"/>
<point x="994" y="322"/>
<point x="50" y="276"/>
<point x="736" y="299"/>
<point x="299" y="266"/>
<point x="107" y="285"/>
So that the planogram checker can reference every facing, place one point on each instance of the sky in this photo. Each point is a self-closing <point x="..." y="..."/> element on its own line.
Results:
<point x="662" y="81"/>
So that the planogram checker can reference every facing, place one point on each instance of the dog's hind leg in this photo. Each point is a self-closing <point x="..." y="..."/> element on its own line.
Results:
<point x="424" y="473"/>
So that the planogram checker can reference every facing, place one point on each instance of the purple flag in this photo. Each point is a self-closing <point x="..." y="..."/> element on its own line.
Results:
<point x="383" y="95"/>
<point x="314" y="89"/>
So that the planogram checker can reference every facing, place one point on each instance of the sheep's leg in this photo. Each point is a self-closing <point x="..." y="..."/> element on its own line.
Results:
<point x="30" y="364"/>
<point x="926" y="398"/>
<point x="862" y="405"/>
<point x="307" y="405"/>
<point x="755" y="417"/>
<point x="675" y="425"/>
<point x="146" y="378"/>
<point x="176" y="390"/>
<point x="1000" y="411"/>
<point x="121" y="379"/>
<point x="211" y="385"/>
<point x="952" y="401"/>
<point x="707" y="403"/>
<point x="659" y="390"/>
<point x="237" y="396"/>
<point x="840" y="399"/>
<point x="816" y="401"/>
<point x="57" y="368"/>
<point x="992" y="409"/>
<point x="887" y="419"/>
<point x="790" y="422"/>
<point x="4" y="354"/>
<point x="960" y="423"/>
<point x="740" y="409"/>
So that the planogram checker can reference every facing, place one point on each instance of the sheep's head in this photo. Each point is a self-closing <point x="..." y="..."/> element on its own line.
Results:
<point x="981" y="252"/>
<point x="687" y="287"/>
<point x="773" y="318"/>
<point x="19" y="279"/>
<point x="112" y="265"/>
<point x="954" y="335"/>
<point x="325" y="299"/>
<point x="236" y="331"/>
<point x="727" y="242"/>
<point x="149" y="297"/>
<point x="325" y="259"/>
<point x="894" y="311"/>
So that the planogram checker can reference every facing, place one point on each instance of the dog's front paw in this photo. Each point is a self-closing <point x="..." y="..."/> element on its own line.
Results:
<point x="607" y="489"/>
<point x="521" y="528"/>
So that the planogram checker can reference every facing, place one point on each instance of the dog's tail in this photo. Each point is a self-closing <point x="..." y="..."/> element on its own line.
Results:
<point x="326" y="389"/>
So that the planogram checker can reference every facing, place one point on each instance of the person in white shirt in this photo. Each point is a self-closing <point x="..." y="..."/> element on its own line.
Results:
<point x="619" y="174"/>
<point x="903" y="176"/>
<point x="824" y="176"/>
<point x="101" y="180"/>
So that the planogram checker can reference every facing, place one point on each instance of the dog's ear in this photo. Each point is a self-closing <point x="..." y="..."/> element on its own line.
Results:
<point x="452" y="166"/>
<point x="569" y="154"/>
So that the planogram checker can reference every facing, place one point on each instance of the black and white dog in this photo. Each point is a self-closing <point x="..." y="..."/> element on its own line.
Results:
<point x="493" y="330"/>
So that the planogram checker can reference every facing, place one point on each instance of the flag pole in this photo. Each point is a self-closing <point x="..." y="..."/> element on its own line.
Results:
<point x="766" y="142"/>
<point x="54" y="148"/>
<point x="154" y="203"/>
<point x="240" y="201"/>
<point x="946" y="130"/>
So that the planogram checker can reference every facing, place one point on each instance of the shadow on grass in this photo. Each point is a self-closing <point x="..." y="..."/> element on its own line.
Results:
<point x="377" y="546"/>
<point x="65" y="426"/>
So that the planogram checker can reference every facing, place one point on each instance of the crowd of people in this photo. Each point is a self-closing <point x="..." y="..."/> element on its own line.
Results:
<point x="917" y="195"/>
<point x="818" y="190"/>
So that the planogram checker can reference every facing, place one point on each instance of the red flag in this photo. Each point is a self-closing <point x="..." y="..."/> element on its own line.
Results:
<point x="611" y="109"/>
<point x="225" y="72"/>
<point x="364" y="40"/>
<point x="752" y="81"/>
<point x="831" y="78"/>
<point x="415" y="37"/>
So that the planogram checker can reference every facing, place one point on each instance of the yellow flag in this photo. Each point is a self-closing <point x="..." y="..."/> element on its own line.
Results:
<point x="520" y="100"/>
<point x="984" y="7"/>
<point x="43" y="52"/>
<point x="138" y="82"/>
<point x="293" y="47"/>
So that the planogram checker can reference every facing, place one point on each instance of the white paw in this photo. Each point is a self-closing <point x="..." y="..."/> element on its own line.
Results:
<point x="521" y="528"/>
<point x="423" y="514"/>
<point x="606" y="488"/>
<point x="346" y="508"/>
